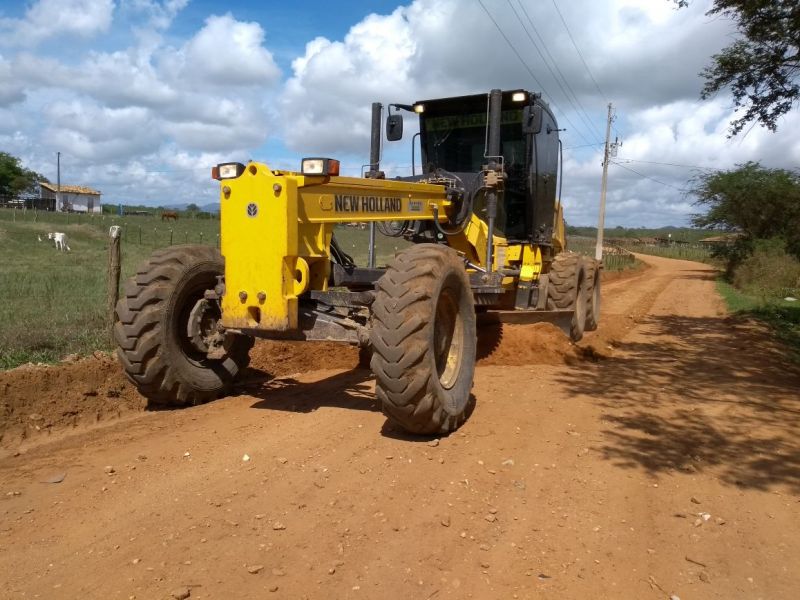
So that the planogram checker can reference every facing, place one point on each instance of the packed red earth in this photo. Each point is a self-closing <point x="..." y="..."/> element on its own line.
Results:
<point x="657" y="458"/>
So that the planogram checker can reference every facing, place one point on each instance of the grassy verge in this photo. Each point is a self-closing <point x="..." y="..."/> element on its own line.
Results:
<point x="783" y="317"/>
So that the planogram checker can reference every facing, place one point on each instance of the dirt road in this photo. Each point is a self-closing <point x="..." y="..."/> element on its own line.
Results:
<point x="661" y="457"/>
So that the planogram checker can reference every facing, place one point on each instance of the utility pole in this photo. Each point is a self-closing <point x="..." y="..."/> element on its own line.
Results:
<point x="58" y="182"/>
<point x="598" y="253"/>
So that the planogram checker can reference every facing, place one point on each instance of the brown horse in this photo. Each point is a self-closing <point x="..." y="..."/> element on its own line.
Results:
<point x="169" y="214"/>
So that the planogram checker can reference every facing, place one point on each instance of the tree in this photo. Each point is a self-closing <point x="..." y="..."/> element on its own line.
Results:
<point x="763" y="68"/>
<point x="15" y="180"/>
<point x="756" y="202"/>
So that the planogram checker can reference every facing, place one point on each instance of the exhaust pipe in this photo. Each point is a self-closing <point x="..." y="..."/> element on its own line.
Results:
<point x="375" y="141"/>
<point x="492" y="154"/>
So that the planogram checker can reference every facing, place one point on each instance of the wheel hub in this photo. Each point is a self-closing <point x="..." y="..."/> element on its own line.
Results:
<point x="448" y="340"/>
<point x="202" y="327"/>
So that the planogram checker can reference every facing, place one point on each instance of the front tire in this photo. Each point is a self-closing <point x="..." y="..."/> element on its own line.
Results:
<point x="155" y="350"/>
<point x="424" y="340"/>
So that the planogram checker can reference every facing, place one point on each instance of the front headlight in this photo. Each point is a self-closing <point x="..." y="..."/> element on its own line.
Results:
<point x="319" y="166"/>
<point x="227" y="171"/>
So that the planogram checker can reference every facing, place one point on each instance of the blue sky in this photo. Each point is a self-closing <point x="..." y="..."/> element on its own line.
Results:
<point x="141" y="97"/>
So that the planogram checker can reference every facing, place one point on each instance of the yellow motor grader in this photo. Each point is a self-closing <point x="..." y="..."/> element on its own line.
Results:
<point x="488" y="240"/>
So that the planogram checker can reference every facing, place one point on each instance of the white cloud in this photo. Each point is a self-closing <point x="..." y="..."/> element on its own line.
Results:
<point x="123" y="116"/>
<point x="101" y="134"/>
<point x="165" y="99"/>
<point x="226" y="53"/>
<point x="159" y="14"/>
<point x="49" y="18"/>
<point x="11" y="91"/>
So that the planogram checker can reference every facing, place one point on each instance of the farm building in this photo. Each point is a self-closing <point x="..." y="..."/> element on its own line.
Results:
<point x="74" y="198"/>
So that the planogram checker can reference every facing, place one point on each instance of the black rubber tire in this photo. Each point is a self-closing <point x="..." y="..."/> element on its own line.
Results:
<point x="567" y="290"/>
<point x="592" y="294"/>
<point x="424" y="340"/>
<point x="151" y="323"/>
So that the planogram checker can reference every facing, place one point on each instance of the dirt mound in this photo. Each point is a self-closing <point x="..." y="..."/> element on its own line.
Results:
<point x="38" y="399"/>
<point x="537" y="344"/>
<point x="498" y="344"/>
<point x="285" y="358"/>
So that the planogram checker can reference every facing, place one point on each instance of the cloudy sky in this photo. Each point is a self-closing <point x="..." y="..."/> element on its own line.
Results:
<point x="141" y="97"/>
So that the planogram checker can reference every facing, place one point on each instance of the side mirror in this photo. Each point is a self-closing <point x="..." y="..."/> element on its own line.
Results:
<point x="394" y="127"/>
<point x="532" y="119"/>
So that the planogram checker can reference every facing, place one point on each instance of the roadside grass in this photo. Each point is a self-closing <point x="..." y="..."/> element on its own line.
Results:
<point x="782" y="316"/>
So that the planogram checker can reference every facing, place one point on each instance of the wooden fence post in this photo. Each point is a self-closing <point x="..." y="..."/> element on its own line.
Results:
<point x="113" y="276"/>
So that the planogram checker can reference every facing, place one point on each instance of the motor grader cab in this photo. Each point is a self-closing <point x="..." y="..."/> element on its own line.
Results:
<point x="488" y="238"/>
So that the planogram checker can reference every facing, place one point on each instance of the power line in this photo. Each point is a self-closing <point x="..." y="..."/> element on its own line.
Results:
<point x="579" y="108"/>
<point x="650" y="162"/>
<point x="648" y="177"/>
<point x="584" y="146"/>
<point x="572" y="39"/>
<point x="527" y="68"/>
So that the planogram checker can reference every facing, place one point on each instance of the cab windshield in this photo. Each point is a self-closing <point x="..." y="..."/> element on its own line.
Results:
<point x="457" y="143"/>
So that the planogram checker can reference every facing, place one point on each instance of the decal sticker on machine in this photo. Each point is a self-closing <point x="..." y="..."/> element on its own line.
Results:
<point x="371" y="204"/>
<point x="252" y="209"/>
<point x="414" y="206"/>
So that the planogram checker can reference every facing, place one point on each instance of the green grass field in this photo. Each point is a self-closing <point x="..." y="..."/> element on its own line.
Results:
<point x="55" y="302"/>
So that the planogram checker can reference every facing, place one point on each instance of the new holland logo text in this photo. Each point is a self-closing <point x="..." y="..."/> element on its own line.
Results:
<point x="372" y="204"/>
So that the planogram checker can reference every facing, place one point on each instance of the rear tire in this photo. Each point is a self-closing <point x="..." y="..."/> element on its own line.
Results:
<point x="593" y="295"/>
<point x="151" y="329"/>
<point x="567" y="290"/>
<point x="424" y="340"/>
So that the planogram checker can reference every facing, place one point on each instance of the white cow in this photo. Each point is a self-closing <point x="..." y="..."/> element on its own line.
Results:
<point x="60" y="240"/>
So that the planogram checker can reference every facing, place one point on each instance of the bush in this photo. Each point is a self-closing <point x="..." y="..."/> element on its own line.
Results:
<point x="769" y="272"/>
